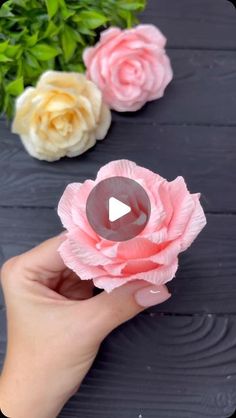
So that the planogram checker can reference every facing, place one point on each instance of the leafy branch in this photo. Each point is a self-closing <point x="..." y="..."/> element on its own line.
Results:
<point x="37" y="35"/>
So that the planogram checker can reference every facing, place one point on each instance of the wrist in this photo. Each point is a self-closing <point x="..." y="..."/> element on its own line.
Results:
<point x="24" y="394"/>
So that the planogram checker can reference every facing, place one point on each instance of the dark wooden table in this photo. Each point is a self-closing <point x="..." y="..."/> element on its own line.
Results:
<point x="177" y="360"/>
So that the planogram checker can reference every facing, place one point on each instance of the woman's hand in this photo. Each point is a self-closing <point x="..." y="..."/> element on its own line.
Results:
<point x="55" y="328"/>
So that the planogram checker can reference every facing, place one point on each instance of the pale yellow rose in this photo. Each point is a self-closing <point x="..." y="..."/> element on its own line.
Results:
<point x="63" y="115"/>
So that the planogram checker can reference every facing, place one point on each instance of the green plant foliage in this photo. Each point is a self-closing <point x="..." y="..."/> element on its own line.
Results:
<point x="37" y="35"/>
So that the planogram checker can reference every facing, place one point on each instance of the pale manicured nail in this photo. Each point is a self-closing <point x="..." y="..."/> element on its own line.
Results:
<point x="151" y="295"/>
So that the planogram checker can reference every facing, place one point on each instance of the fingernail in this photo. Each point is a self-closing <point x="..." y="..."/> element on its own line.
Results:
<point x="151" y="295"/>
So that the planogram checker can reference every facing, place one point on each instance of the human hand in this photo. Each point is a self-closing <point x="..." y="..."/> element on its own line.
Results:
<point x="55" y="328"/>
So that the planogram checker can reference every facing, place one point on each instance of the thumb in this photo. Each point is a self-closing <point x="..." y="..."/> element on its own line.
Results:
<point x="108" y="310"/>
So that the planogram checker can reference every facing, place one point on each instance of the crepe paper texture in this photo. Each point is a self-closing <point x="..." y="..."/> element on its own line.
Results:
<point x="175" y="221"/>
<point x="129" y="66"/>
<point x="62" y="116"/>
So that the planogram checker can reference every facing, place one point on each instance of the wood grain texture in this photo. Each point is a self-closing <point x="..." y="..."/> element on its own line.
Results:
<point x="194" y="24"/>
<point x="165" y="367"/>
<point x="205" y="156"/>
<point x="159" y="366"/>
<point x="207" y="273"/>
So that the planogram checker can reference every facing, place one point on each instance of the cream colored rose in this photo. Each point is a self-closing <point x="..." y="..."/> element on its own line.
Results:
<point x="63" y="115"/>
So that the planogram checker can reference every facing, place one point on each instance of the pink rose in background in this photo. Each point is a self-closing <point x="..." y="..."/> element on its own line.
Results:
<point x="175" y="221"/>
<point x="129" y="66"/>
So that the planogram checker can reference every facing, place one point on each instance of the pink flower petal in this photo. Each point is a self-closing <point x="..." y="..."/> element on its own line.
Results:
<point x="66" y="203"/>
<point x="194" y="226"/>
<point x="169" y="253"/>
<point x="135" y="248"/>
<point x="138" y="266"/>
<point x="158" y="276"/>
<point x="83" y="271"/>
<point x="184" y="205"/>
<point x="109" y="34"/>
<point x="83" y="249"/>
<point x="152" y="34"/>
<point x="124" y="168"/>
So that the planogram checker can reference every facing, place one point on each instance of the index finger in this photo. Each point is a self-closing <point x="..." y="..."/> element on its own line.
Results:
<point x="44" y="259"/>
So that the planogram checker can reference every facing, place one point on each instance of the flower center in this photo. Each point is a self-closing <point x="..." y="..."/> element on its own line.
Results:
<point x="129" y="71"/>
<point x="63" y="124"/>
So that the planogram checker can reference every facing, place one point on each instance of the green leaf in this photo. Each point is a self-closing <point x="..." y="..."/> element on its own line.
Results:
<point x="66" y="13"/>
<point x="4" y="58"/>
<point x="137" y="6"/>
<point x="17" y="37"/>
<point x="15" y="88"/>
<point x="3" y="46"/>
<point x="79" y="38"/>
<point x="30" y="73"/>
<point x="91" y="19"/>
<point x="31" y="60"/>
<point x="32" y="39"/>
<point x="21" y="3"/>
<point x="13" y="51"/>
<point x="128" y="18"/>
<point x="62" y="4"/>
<point x="19" y="68"/>
<point x="69" y="43"/>
<point x="44" y="52"/>
<point x="5" y="11"/>
<point x="52" y="30"/>
<point x="78" y="68"/>
<point x="52" y="7"/>
<point x="85" y="31"/>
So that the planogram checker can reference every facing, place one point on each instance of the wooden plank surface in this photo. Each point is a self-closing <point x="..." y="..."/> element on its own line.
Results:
<point x="178" y="359"/>
<point x="201" y="24"/>
<point x="207" y="273"/>
<point x="203" y="155"/>
<point x="162" y="367"/>
<point x="159" y="366"/>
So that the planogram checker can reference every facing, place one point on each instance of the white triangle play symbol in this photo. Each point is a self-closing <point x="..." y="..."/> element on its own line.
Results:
<point x="117" y="209"/>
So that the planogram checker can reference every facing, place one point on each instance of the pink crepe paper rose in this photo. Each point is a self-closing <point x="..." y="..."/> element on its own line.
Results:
<point x="129" y="66"/>
<point x="175" y="221"/>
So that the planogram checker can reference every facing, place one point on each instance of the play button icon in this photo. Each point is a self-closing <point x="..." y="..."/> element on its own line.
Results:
<point x="118" y="208"/>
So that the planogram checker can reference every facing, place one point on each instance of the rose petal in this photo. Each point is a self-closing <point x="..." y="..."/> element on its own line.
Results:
<point x="84" y="271"/>
<point x="65" y="205"/>
<point x="157" y="276"/>
<point x="123" y="168"/>
<point x="183" y="204"/>
<point x="195" y="225"/>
